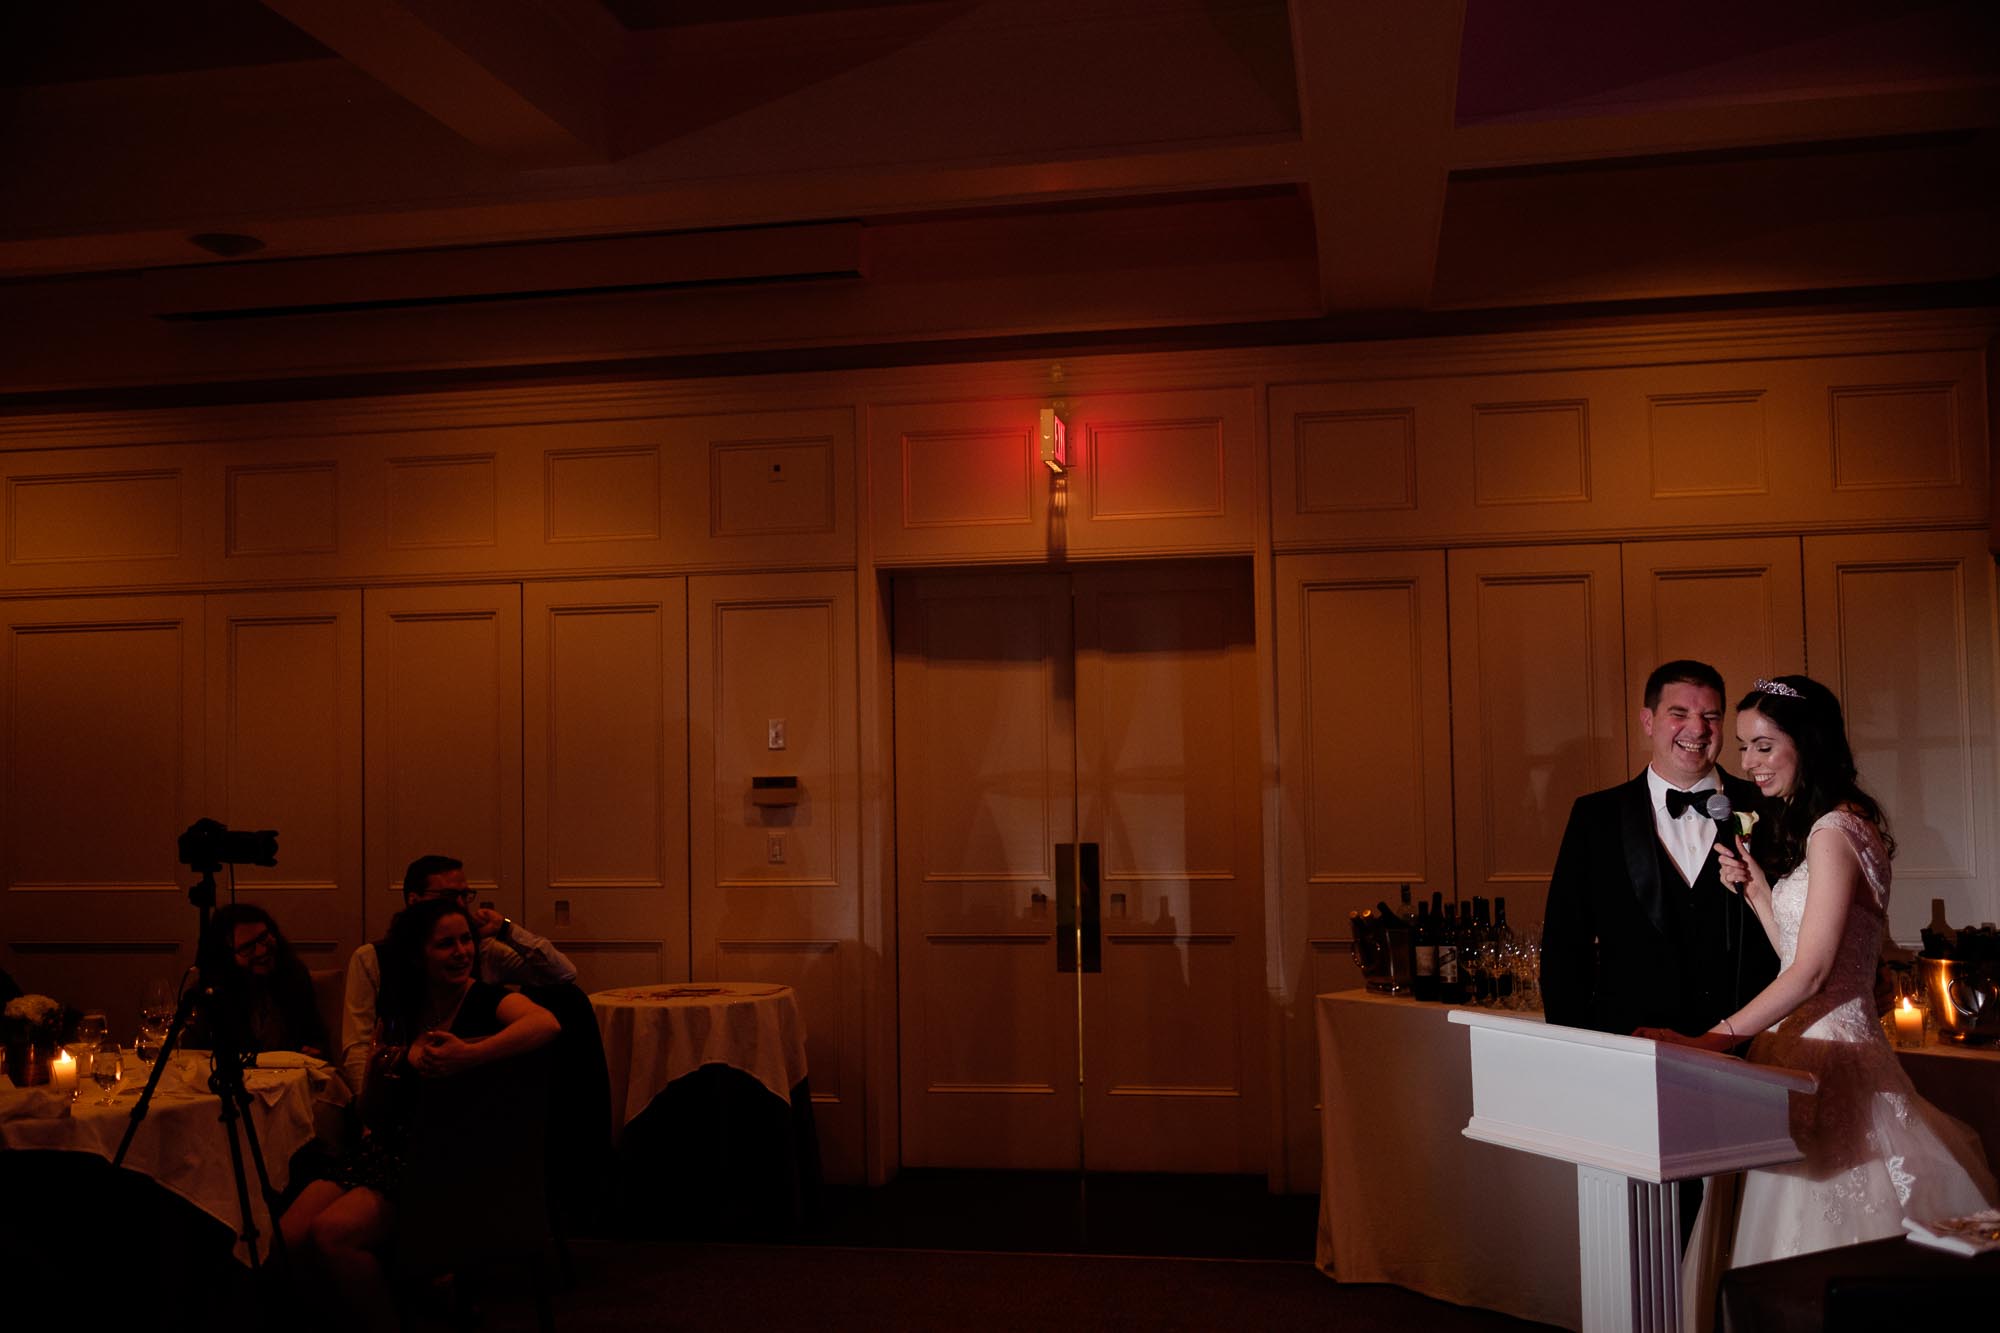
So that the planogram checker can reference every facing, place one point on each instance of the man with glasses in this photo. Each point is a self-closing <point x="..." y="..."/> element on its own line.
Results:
<point x="509" y="954"/>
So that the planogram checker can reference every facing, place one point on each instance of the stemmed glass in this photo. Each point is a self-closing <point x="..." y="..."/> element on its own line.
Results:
<point x="156" y="1016"/>
<point x="91" y="1030"/>
<point x="107" y="1066"/>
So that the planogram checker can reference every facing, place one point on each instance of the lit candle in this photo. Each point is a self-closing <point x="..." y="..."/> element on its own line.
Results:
<point x="1909" y="1023"/>
<point x="62" y="1073"/>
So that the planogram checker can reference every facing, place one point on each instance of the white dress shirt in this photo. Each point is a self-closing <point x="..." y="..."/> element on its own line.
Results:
<point x="1688" y="838"/>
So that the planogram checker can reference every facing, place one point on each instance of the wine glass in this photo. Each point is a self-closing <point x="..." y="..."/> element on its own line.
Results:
<point x="107" y="1066"/>
<point x="91" y="1031"/>
<point x="157" y="1009"/>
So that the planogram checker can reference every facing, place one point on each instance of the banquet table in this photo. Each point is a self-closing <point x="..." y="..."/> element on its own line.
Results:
<point x="710" y="1104"/>
<point x="181" y="1144"/>
<point x="1405" y="1197"/>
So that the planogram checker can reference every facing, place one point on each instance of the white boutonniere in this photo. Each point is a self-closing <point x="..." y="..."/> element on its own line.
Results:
<point x="1745" y="821"/>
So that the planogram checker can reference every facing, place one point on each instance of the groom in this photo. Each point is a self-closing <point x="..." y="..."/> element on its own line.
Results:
<point x="1639" y="930"/>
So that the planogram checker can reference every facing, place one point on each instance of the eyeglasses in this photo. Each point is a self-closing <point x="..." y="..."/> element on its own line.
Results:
<point x="455" y="895"/>
<point x="253" y="944"/>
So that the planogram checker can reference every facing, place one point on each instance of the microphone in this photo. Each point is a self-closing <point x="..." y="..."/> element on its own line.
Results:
<point x="1718" y="808"/>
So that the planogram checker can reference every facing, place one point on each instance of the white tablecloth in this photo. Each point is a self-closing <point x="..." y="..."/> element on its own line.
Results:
<point x="1405" y="1197"/>
<point x="656" y="1034"/>
<point x="182" y="1143"/>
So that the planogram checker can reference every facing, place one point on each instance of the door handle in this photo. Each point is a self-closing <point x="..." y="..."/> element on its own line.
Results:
<point x="1065" y="907"/>
<point x="1089" y="929"/>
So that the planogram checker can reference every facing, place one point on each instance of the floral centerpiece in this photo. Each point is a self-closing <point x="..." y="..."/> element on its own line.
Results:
<point x="31" y="1024"/>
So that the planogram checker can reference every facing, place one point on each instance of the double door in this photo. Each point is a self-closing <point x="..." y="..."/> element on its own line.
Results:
<point x="1080" y="918"/>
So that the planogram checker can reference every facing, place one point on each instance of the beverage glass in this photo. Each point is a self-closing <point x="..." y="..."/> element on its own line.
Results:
<point x="91" y="1031"/>
<point x="106" y="1068"/>
<point x="157" y="1009"/>
<point x="146" y="1046"/>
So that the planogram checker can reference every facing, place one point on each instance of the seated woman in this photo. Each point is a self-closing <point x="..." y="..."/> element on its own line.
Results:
<point x="263" y="993"/>
<point x="435" y="1021"/>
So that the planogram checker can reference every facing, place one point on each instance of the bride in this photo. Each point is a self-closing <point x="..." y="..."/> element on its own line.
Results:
<point x="1875" y="1152"/>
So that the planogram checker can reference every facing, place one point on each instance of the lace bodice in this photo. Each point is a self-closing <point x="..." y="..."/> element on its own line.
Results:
<point x="1845" y="1007"/>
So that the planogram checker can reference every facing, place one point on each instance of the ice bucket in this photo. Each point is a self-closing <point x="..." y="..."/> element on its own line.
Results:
<point x="1964" y="997"/>
<point x="1382" y="952"/>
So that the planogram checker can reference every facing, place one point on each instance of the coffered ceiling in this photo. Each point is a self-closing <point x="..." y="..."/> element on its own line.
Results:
<point x="228" y="189"/>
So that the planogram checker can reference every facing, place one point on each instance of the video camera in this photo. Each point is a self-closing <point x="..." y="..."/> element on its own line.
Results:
<point x="207" y="846"/>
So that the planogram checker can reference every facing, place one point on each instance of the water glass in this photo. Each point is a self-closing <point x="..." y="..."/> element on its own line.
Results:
<point x="107" y="1066"/>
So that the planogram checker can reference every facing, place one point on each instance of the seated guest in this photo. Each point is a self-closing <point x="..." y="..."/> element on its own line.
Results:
<point x="509" y="955"/>
<point x="262" y="991"/>
<point x="436" y="1020"/>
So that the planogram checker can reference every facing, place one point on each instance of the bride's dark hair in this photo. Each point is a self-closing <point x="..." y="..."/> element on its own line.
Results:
<point x="1808" y="713"/>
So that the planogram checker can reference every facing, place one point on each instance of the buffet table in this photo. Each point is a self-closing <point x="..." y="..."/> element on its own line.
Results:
<point x="1405" y="1197"/>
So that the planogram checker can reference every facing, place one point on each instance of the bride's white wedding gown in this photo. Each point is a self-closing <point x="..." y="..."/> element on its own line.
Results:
<point x="1875" y="1152"/>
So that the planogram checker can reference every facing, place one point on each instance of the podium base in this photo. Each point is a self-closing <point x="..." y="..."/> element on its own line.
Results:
<point x="1629" y="1232"/>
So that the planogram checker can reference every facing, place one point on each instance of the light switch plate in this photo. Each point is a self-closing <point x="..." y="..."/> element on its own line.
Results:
<point x="774" y="734"/>
<point x="775" y="849"/>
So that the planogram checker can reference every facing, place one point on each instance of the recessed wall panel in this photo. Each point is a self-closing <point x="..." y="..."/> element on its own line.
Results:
<point x="770" y="486"/>
<point x="285" y="744"/>
<point x="1707" y="444"/>
<point x="596" y="495"/>
<point x="1156" y="469"/>
<point x="1355" y="460"/>
<point x="98" y="749"/>
<point x="290" y="509"/>
<point x="443" y="502"/>
<point x="1364" y="734"/>
<point x="93" y="516"/>
<point x="1894" y="435"/>
<point x="958" y="478"/>
<point x="1530" y="453"/>
<point x="606" y="755"/>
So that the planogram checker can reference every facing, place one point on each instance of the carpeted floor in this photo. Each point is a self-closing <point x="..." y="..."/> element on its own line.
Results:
<point x="634" y="1285"/>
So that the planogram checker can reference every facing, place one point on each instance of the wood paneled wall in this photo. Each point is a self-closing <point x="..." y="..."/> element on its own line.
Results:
<point x="548" y="631"/>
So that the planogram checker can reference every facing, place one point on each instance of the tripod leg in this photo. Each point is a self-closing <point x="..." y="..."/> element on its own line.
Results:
<point x="271" y="1196"/>
<point x="248" y="1235"/>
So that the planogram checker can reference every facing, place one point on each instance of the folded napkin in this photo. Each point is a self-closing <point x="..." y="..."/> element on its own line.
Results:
<point x="1975" y="1233"/>
<point x="266" y="1085"/>
<point x="33" y="1104"/>
<point x="284" y="1060"/>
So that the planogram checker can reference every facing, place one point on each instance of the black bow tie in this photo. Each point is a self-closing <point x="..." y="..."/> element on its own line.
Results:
<point x="1680" y="802"/>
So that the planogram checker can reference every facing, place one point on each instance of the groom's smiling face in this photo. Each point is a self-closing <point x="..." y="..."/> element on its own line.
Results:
<point x="1686" y="731"/>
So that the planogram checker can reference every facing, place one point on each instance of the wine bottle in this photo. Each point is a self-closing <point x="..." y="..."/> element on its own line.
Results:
<point x="1451" y="980"/>
<point x="1480" y="973"/>
<point x="1423" y="948"/>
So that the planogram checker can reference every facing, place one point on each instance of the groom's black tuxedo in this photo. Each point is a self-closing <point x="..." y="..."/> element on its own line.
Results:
<point x="1627" y="942"/>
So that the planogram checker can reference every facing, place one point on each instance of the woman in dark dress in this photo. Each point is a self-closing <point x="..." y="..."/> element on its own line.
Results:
<point x="262" y="991"/>
<point x="436" y="1021"/>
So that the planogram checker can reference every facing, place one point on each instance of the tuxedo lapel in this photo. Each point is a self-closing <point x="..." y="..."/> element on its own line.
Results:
<point x="1641" y="843"/>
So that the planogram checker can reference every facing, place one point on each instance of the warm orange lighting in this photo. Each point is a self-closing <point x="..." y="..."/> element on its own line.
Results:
<point x="1909" y="1023"/>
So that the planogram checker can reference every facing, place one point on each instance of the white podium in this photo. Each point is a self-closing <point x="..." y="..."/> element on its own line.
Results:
<point x="1634" y="1115"/>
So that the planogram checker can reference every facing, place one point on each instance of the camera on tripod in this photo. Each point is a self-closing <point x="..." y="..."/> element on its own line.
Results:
<point x="207" y="846"/>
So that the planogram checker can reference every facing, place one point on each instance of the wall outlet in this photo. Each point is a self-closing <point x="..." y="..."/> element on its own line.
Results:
<point x="774" y="734"/>
<point x="774" y="849"/>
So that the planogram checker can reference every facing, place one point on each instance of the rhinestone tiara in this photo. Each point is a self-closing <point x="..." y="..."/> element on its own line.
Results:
<point x="1777" y="687"/>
